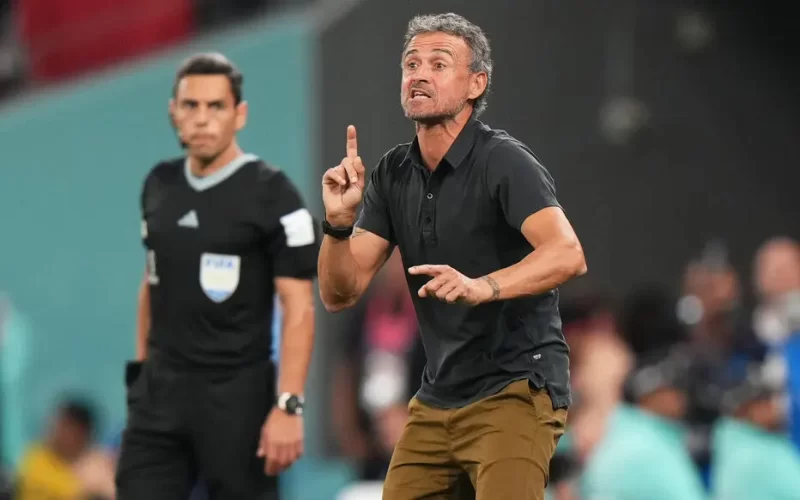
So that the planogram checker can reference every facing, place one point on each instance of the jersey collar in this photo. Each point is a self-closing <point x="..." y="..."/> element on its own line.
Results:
<point x="209" y="181"/>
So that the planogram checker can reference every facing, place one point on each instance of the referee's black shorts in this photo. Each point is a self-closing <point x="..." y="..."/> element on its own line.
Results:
<point x="184" y="424"/>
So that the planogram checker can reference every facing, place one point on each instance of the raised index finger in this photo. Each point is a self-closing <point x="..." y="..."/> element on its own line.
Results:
<point x="352" y="142"/>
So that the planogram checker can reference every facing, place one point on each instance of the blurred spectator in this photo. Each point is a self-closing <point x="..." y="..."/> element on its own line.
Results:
<point x="599" y="362"/>
<point x="95" y="471"/>
<point x="751" y="456"/>
<point x="54" y="468"/>
<point x="642" y="454"/>
<point x="721" y="342"/>
<point x="378" y="373"/>
<point x="710" y="305"/>
<point x="777" y="282"/>
<point x="777" y="319"/>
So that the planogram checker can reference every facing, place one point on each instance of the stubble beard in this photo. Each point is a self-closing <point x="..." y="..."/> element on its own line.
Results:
<point x="436" y="117"/>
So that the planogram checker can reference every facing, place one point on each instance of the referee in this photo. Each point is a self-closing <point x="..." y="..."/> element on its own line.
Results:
<point x="466" y="205"/>
<point x="223" y="232"/>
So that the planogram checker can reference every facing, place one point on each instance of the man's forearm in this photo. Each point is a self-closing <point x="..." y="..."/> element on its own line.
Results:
<point x="338" y="274"/>
<point x="142" y="321"/>
<point x="297" y="344"/>
<point x="542" y="270"/>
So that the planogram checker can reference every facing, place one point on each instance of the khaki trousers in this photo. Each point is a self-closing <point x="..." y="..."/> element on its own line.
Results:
<point x="496" y="448"/>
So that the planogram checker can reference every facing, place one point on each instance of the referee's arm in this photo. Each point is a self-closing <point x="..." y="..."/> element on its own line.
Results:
<point x="293" y="251"/>
<point x="297" y="332"/>
<point x="143" y="320"/>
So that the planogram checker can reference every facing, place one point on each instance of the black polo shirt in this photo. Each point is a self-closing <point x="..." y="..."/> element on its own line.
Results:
<point x="467" y="214"/>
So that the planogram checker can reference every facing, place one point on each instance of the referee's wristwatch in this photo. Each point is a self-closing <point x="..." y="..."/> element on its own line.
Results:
<point x="291" y="403"/>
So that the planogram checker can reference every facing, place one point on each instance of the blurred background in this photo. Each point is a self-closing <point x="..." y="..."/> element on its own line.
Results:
<point x="671" y="128"/>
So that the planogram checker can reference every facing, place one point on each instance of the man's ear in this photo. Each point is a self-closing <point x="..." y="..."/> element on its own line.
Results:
<point x="171" y="113"/>
<point x="241" y="115"/>
<point x="478" y="85"/>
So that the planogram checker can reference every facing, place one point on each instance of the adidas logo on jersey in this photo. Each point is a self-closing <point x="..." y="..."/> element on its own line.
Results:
<point x="189" y="220"/>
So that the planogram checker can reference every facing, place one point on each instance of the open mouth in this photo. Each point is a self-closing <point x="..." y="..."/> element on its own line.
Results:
<point x="419" y="95"/>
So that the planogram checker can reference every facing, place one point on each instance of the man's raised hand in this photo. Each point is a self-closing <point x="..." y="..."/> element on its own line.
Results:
<point x="343" y="185"/>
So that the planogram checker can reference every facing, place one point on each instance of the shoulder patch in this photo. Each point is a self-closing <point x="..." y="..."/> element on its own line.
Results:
<point x="299" y="228"/>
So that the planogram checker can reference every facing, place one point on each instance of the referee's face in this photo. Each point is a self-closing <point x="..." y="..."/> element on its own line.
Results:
<point x="206" y="115"/>
<point x="437" y="80"/>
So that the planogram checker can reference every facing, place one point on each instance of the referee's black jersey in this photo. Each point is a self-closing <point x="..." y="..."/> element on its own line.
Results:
<point x="214" y="245"/>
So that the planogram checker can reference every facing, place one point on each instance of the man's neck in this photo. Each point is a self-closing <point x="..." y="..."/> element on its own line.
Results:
<point x="203" y="168"/>
<point x="435" y="140"/>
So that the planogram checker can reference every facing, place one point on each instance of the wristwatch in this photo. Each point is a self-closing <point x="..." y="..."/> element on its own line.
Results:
<point x="338" y="232"/>
<point x="291" y="403"/>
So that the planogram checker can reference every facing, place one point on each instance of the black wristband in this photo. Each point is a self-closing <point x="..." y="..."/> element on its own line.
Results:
<point x="338" y="232"/>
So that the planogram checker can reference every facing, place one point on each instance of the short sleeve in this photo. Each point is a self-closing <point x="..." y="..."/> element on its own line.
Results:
<point x="144" y="194"/>
<point x="374" y="215"/>
<point x="293" y="240"/>
<point x="519" y="182"/>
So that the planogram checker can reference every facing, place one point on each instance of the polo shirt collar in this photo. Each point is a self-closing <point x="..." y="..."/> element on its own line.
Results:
<point x="458" y="151"/>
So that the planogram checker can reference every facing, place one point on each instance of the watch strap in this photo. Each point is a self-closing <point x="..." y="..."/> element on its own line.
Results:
<point x="291" y="403"/>
<point x="338" y="232"/>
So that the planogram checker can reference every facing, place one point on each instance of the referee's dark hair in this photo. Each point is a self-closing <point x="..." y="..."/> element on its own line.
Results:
<point x="211" y="63"/>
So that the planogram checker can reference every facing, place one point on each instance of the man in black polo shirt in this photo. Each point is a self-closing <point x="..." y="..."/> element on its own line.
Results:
<point x="223" y="232"/>
<point x="467" y="205"/>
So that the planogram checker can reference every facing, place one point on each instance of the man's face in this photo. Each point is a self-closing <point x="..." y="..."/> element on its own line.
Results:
<point x="777" y="270"/>
<point x="70" y="438"/>
<point x="205" y="114"/>
<point x="437" y="81"/>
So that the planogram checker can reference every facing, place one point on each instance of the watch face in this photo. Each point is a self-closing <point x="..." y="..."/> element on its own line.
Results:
<point x="293" y="405"/>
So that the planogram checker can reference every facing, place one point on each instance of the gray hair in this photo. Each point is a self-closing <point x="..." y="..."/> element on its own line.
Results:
<point x="473" y="35"/>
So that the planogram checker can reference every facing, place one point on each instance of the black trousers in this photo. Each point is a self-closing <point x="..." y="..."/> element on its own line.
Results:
<point x="188" y="424"/>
